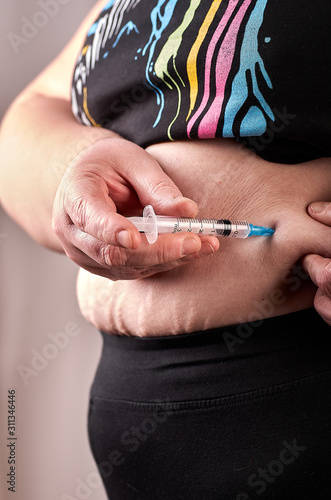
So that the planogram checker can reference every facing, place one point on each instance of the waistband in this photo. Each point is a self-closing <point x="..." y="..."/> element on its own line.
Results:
<point x="214" y="363"/>
<point x="266" y="334"/>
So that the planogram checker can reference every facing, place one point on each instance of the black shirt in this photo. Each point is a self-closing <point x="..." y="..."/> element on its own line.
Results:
<point x="256" y="70"/>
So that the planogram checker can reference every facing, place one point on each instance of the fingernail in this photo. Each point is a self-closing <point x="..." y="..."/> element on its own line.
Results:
<point x="124" y="239"/>
<point x="317" y="207"/>
<point x="306" y="265"/>
<point x="189" y="246"/>
<point x="206" y="248"/>
<point x="190" y="206"/>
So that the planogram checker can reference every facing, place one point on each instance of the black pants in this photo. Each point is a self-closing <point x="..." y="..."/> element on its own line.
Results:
<point x="240" y="412"/>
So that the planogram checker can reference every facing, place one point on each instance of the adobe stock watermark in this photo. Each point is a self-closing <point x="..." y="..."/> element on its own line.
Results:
<point x="260" y="481"/>
<point x="131" y="439"/>
<point x="41" y="358"/>
<point x="39" y="20"/>
<point x="3" y="236"/>
<point x="258" y="144"/>
<point x="294" y="279"/>
<point x="125" y="103"/>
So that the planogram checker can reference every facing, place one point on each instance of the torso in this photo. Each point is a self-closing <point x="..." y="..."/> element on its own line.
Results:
<point x="245" y="280"/>
<point x="250" y="69"/>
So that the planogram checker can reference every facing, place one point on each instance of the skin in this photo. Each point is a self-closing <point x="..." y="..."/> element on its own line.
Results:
<point x="318" y="267"/>
<point x="70" y="187"/>
<point x="37" y="179"/>
<point x="114" y="177"/>
<point x="258" y="275"/>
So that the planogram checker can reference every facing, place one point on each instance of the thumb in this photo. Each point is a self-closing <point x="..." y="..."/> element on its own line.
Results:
<point x="319" y="270"/>
<point x="321" y="211"/>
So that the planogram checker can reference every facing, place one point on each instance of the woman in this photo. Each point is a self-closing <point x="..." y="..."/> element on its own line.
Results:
<point x="210" y="384"/>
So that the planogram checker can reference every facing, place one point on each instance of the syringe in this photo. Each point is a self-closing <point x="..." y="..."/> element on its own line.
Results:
<point x="153" y="225"/>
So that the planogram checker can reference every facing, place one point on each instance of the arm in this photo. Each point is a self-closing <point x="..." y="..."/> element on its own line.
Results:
<point x="58" y="174"/>
<point x="39" y="137"/>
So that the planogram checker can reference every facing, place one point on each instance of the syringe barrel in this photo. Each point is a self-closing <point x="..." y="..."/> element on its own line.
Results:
<point x="208" y="227"/>
<point x="153" y="225"/>
<point x="233" y="228"/>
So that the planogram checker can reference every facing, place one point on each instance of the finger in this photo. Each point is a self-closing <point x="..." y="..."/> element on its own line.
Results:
<point x="88" y="207"/>
<point x="321" y="211"/>
<point x="210" y="240"/>
<point x="152" y="185"/>
<point x="168" y="248"/>
<point x="171" y="251"/>
<point x="89" y="204"/>
<point x="322" y="304"/>
<point x="319" y="270"/>
<point x="317" y="238"/>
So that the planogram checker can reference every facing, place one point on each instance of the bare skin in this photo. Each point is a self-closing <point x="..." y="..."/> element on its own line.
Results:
<point x="319" y="267"/>
<point x="70" y="187"/>
<point x="244" y="280"/>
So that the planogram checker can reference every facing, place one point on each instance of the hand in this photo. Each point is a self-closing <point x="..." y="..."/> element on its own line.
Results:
<point x="111" y="179"/>
<point x="318" y="267"/>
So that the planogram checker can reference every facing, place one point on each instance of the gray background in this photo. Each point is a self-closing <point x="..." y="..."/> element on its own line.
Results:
<point x="37" y="297"/>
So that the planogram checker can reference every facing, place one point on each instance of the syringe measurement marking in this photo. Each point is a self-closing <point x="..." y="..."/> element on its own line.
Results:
<point x="190" y="229"/>
<point x="152" y="225"/>
<point x="235" y="232"/>
<point x="225" y="231"/>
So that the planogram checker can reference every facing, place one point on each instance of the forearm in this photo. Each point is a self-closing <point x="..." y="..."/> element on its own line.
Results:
<point x="38" y="140"/>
